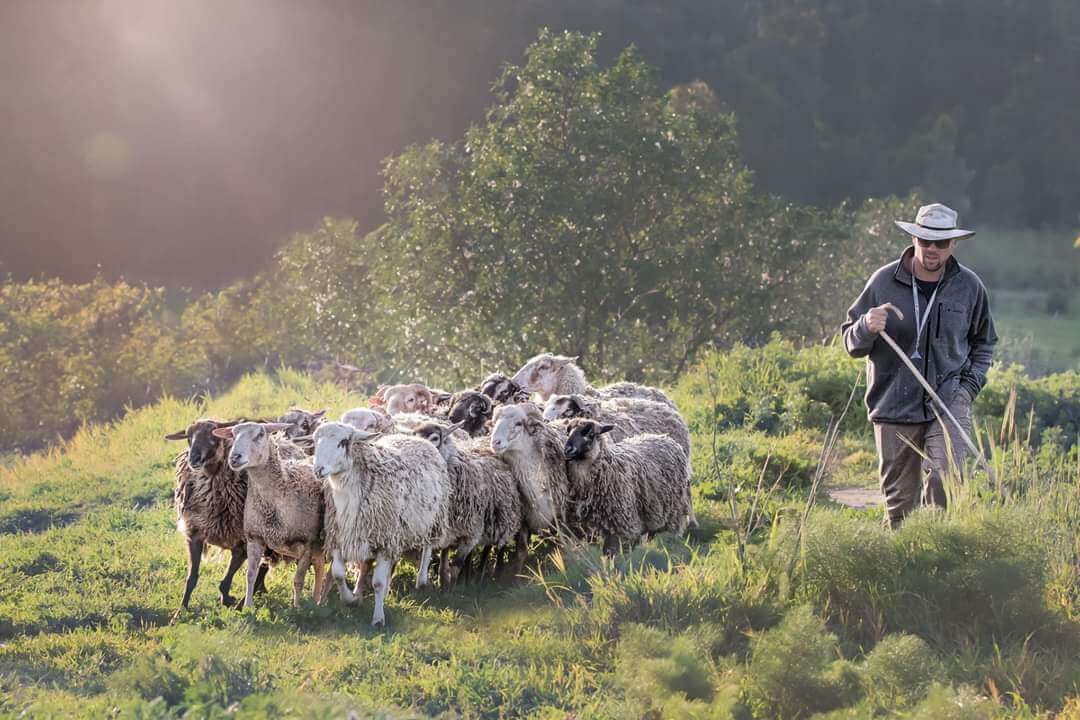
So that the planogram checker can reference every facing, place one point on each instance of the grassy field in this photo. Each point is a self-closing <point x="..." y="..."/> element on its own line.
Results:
<point x="1033" y="277"/>
<point x="972" y="613"/>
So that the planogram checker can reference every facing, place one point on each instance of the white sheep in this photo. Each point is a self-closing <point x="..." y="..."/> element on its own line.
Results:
<point x="547" y="374"/>
<point x="390" y="493"/>
<point x="534" y="451"/>
<point x="284" y="507"/>
<point x="368" y="419"/>
<point x="413" y="397"/>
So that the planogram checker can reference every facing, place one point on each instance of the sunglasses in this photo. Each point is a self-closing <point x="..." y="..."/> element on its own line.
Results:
<point x="939" y="244"/>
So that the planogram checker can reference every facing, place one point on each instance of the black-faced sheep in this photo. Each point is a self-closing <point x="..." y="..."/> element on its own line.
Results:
<point x="472" y="411"/>
<point x="625" y="491"/>
<point x="209" y="499"/>
<point x="630" y="416"/>
<point x="502" y="390"/>
<point x="284" y="507"/>
<point x="391" y="493"/>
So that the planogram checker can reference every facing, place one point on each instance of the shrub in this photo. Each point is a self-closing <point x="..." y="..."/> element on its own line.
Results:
<point x="792" y="673"/>
<point x="775" y="388"/>
<point x="706" y="589"/>
<point x="670" y="677"/>
<point x="898" y="672"/>
<point x="1054" y="398"/>
<point x="743" y="455"/>
<point x="980" y="577"/>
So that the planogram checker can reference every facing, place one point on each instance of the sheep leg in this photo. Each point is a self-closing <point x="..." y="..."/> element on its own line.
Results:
<point x="463" y="562"/>
<point x="444" y="569"/>
<point x="363" y="580"/>
<point x="383" y="568"/>
<point x="611" y="545"/>
<point x="521" y="552"/>
<point x="337" y="569"/>
<point x="195" y="550"/>
<point x="482" y="564"/>
<point x="302" y="565"/>
<point x="237" y="556"/>
<point x="422" y="570"/>
<point x="254" y="557"/>
<point x="319" y="591"/>
<point x="260" y="580"/>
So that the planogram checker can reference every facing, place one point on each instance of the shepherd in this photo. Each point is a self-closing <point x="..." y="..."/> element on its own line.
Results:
<point x="949" y="335"/>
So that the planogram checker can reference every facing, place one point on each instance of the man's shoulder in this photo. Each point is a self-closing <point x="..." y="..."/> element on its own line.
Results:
<point x="885" y="272"/>
<point x="969" y="277"/>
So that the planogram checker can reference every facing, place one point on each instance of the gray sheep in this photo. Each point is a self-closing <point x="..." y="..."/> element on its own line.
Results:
<point x="630" y="416"/>
<point x="485" y="507"/>
<point x="626" y="491"/>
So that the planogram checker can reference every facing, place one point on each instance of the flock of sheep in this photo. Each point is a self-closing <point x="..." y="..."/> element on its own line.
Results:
<point x="425" y="472"/>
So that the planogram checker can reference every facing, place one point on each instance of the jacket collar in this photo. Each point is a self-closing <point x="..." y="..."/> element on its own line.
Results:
<point x="903" y="267"/>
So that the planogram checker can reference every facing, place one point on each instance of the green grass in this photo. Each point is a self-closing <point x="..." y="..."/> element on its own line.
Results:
<point x="985" y="595"/>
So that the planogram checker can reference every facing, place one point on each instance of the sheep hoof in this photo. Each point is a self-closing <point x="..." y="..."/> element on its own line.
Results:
<point x="228" y="600"/>
<point x="378" y="623"/>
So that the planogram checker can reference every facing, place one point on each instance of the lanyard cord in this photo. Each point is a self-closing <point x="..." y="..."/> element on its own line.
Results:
<point x="920" y="322"/>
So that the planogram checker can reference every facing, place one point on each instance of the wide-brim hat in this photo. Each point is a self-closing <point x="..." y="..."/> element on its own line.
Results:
<point x="934" y="222"/>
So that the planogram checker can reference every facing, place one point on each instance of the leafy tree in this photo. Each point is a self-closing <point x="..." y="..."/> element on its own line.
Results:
<point x="590" y="213"/>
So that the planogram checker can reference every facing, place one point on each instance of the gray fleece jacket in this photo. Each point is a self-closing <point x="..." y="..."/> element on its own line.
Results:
<point x="956" y="346"/>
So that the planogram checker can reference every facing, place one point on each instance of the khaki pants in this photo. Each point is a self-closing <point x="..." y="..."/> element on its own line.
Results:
<point x="907" y="477"/>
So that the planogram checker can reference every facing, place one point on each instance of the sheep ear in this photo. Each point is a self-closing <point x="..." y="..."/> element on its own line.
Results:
<point x="178" y="435"/>
<point x="450" y="430"/>
<point x="319" y="415"/>
<point x="274" y="427"/>
<point x="379" y="398"/>
<point x="225" y="433"/>
<point x="604" y="429"/>
<point x="363" y="436"/>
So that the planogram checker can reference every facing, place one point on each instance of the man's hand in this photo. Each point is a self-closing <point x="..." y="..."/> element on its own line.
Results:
<point x="875" y="317"/>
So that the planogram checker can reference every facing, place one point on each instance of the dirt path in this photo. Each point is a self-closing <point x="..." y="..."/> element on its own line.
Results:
<point x="860" y="497"/>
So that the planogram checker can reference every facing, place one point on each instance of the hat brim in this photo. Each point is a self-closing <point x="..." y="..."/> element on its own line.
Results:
<point x="930" y="234"/>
